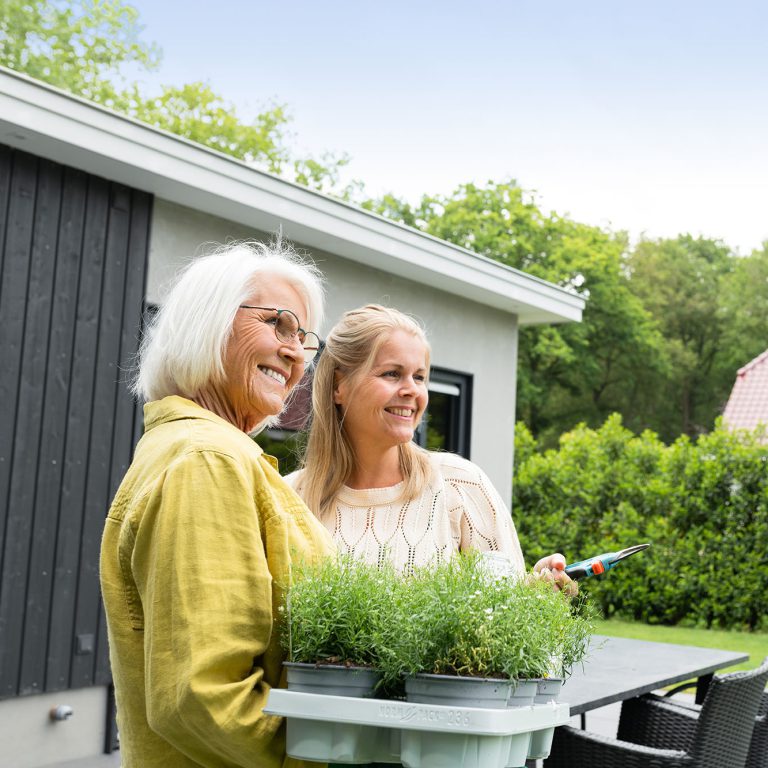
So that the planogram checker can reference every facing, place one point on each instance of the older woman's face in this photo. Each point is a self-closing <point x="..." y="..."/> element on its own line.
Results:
<point x="261" y="370"/>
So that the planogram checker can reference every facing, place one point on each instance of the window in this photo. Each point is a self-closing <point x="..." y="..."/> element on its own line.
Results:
<point x="446" y="425"/>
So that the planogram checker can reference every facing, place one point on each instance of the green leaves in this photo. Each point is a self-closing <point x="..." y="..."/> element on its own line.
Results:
<point x="338" y="611"/>
<point x="450" y="618"/>
<point x="86" y="47"/>
<point x="468" y="622"/>
<point x="666" y="325"/>
<point x="79" y="46"/>
<point x="703" y="505"/>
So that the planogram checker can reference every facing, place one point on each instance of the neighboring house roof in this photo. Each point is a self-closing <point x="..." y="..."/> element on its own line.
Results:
<point x="51" y="123"/>
<point x="747" y="407"/>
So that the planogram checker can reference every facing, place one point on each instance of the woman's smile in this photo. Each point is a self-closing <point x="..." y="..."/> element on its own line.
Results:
<point x="385" y="404"/>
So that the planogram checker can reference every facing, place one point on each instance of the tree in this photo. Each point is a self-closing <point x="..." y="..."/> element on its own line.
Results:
<point x="84" y="46"/>
<point x="569" y="373"/>
<point x="680" y="282"/>
<point x="81" y="46"/>
<point x="744" y="306"/>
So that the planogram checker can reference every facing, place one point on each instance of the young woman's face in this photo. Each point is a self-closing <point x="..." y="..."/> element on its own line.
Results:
<point x="385" y="405"/>
<point x="261" y="370"/>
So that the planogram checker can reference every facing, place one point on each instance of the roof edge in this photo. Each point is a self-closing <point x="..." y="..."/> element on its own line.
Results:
<point x="44" y="120"/>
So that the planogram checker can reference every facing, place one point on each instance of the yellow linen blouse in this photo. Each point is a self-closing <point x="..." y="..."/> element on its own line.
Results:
<point x="196" y="551"/>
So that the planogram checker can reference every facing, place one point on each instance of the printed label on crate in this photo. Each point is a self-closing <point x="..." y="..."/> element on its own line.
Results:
<point x="410" y="713"/>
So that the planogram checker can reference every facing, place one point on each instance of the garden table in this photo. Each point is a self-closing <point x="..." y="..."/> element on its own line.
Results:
<point x="618" y="669"/>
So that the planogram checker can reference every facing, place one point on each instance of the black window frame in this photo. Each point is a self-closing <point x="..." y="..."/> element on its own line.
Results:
<point x="461" y="409"/>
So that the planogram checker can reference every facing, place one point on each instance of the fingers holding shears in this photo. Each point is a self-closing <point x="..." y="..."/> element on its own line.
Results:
<point x="552" y="568"/>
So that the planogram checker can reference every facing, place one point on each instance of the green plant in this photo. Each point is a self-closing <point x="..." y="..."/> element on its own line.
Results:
<point x="337" y="611"/>
<point x="703" y="505"/>
<point x="456" y="618"/>
<point x="452" y="618"/>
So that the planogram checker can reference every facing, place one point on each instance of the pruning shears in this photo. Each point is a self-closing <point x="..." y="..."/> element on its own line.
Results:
<point x="601" y="563"/>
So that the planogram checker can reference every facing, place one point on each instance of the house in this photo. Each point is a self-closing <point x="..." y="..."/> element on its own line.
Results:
<point x="747" y="407"/>
<point x="97" y="212"/>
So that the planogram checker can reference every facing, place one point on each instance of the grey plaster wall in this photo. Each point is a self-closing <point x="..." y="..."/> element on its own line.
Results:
<point x="466" y="336"/>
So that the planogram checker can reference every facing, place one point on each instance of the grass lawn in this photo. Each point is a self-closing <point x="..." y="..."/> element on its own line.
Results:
<point x="753" y="643"/>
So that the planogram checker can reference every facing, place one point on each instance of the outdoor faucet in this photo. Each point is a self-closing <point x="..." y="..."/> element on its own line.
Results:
<point x="61" y="712"/>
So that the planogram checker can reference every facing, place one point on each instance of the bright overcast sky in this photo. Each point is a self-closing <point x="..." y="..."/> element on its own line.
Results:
<point x="647" y="116"/>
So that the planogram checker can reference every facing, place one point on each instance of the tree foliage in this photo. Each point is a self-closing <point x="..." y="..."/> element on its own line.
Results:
<point x="81" y="46"/>
<point x="667" y="323"/>
<point x="743" y="301"/>
<point x="679" y="282"/>
<point x="86" y="46"/>
<point x="571" y="372"/>
<point x="703" y="506"/>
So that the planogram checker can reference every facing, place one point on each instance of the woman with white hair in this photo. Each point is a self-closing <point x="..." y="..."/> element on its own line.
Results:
<point x="201" y="534"/>
<point x="380" y="495"/>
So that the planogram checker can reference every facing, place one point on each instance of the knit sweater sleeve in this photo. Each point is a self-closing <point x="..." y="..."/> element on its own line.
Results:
<point x="479" y="517"/>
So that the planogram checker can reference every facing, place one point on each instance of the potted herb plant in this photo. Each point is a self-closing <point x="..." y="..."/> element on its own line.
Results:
<point x="335" y="614"/>
<point x="572" y="626"/>
<point x="455" y="620"/>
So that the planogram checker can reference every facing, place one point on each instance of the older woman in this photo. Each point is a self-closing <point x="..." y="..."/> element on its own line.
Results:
<point x="202" y="531"/>
<point x="379" y="494"/>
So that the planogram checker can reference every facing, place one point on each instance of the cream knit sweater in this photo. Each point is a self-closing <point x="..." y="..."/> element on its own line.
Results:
<point x="459" y="510"/>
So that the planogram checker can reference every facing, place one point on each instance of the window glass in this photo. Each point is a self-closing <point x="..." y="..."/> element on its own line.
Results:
<point x="446" y="424"/>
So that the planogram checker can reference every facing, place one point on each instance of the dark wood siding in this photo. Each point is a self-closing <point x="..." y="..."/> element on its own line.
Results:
<point x="74" y="257"/>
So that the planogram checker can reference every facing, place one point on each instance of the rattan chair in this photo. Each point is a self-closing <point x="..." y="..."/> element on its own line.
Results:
<point x="758" y="749"/>
<point x="668" y="723"/>
<point x="717" y="736"/>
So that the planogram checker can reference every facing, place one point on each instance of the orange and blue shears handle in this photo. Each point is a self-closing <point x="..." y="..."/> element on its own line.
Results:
<point x="601" y="563"/>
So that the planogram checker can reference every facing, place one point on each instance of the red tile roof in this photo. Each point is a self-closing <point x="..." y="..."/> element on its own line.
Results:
<point x="748" y="404"/>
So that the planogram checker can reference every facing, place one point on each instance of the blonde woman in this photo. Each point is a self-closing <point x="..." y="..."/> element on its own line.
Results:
<point x="379" y="494"/>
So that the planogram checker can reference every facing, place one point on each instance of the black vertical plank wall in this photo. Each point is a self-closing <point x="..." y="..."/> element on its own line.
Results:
<point x="13" y="298"/>
<point x="72" y="273"/>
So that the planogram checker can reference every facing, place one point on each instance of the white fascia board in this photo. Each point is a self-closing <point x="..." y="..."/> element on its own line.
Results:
<point x="54" y="124"/>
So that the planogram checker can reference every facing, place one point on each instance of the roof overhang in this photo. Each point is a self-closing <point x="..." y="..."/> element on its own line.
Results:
<point x="46" y="121"/>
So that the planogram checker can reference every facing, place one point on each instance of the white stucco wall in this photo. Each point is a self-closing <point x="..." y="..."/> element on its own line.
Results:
<point x="466" y="336"/>
<point x="30" y="739"/>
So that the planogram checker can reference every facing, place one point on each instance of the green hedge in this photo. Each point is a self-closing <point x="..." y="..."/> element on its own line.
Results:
<point x="702" y="504"/>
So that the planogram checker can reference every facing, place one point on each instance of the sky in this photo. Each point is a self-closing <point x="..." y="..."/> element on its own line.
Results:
<point x="649" y="117"/>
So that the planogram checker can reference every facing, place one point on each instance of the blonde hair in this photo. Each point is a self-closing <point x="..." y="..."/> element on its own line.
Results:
<point x="183" y="349"/>
<point x="351" y="348"/>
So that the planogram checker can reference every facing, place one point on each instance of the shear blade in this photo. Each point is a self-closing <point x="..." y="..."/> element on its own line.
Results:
<point x="631" y="551"/>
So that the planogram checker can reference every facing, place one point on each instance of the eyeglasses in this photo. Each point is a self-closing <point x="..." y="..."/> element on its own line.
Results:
<point x="288" y="330"/>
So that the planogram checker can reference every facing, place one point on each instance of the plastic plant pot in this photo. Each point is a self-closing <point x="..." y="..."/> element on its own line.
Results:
<point x="336" y="742"/>
<point x="522" y="694"/>
<point x="491" y="693"/>
<point x="541" y="741"/>
<point x="331" y="679"/>
<point x="316" y="740"/>
<point x="435" y="750"/>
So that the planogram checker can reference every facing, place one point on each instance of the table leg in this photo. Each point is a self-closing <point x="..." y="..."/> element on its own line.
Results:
<point x="702" y="686"/>
<point x="583" y="717"/>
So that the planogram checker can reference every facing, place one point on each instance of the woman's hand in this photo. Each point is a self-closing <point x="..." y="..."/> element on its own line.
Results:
<point x="552" y="568"/>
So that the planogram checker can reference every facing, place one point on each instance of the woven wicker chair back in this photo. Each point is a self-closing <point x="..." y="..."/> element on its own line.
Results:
<point x="758" y="750"/>
<point x="725" y="725"/>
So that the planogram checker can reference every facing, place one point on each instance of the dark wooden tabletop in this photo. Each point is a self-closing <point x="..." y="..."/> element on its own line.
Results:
<point x="619" y="669"/>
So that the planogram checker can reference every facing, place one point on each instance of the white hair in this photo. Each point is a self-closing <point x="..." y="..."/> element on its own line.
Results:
<point x="182" y="350"/>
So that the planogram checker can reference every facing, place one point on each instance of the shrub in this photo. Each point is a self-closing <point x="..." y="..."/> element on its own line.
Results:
<point x="703" y="505"/>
